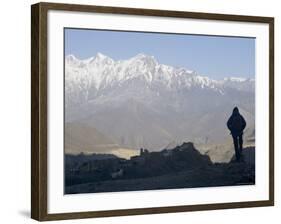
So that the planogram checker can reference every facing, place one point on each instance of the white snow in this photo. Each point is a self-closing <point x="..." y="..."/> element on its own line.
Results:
<point x="84" y="78"/>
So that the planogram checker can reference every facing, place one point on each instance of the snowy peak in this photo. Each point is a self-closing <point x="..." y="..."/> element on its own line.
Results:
<point x="144" y="58"/>
<point x="71" y="60"/>
<point x="101" y="58"/>
<point x="90" y="77"/>
<point x="71" y="57"/>
<point x="237" y="79"/>
<point x="142" y="66"/>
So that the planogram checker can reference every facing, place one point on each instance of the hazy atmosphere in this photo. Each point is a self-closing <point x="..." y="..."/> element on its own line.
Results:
<point x="128" y="94"/>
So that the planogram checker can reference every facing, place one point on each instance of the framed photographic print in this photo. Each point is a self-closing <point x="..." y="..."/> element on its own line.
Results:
<point x="141" y="111"/>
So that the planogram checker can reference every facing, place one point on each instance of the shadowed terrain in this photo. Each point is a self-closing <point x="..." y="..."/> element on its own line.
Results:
<point x="181" y="167"/>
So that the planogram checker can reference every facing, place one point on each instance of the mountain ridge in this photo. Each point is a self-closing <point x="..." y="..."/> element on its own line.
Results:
<point x="97" y="73"/>
<point x="141" y="103"/>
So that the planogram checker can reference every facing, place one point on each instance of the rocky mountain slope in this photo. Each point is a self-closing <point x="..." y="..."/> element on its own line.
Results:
<point x="139" y="102"/>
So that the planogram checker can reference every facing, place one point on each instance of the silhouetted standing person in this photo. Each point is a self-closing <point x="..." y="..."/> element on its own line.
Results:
<point x="236" y="124"/>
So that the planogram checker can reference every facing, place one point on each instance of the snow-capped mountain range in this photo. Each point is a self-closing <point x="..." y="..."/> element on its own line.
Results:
<point x="139" y="102"/>
<point x="85" y="79"/>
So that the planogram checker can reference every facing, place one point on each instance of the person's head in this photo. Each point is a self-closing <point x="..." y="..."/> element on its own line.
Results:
<point x="235" y="110"/>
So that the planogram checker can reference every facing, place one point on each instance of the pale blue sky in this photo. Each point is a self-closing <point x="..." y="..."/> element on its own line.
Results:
<point x="214" y="56"/>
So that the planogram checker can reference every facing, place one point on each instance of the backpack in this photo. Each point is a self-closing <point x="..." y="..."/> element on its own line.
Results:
<point x="237" y="123"/>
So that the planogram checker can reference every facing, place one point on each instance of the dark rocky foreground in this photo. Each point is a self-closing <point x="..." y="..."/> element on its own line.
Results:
<point x="181" y="167"/>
